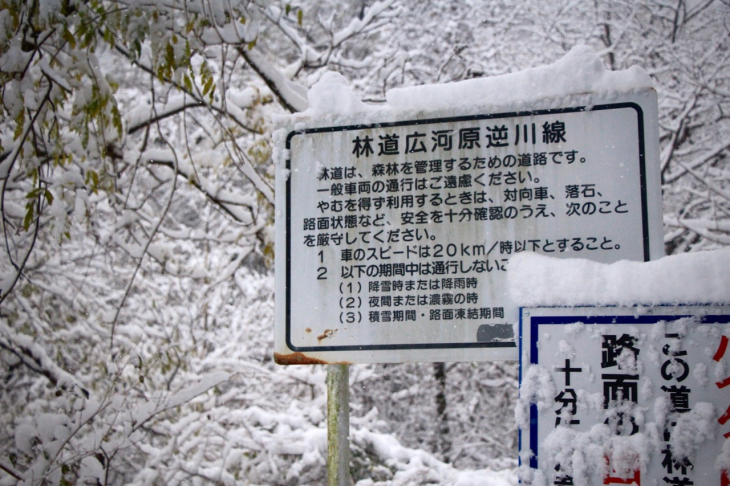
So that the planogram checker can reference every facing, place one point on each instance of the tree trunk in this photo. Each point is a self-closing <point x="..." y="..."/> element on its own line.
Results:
<point x="443" y="446"/>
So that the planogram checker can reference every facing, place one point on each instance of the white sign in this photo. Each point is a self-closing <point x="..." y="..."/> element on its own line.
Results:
<point x="624" y="395"/>
<point x="393" y="236"/>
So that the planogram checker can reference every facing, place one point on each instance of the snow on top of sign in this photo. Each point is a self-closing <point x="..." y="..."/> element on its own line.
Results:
<point x="332" y="95"/>
<point x="689" y="278"/>
<point x="723" y="460"/>
<point x="579" y="72"/>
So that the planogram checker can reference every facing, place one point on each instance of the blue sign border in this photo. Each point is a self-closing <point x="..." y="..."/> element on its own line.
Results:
<point x="537" y="321"/>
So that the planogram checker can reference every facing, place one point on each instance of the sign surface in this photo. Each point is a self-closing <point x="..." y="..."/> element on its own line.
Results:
<point x="396" y="235"/>
<point x="644" y="386"/>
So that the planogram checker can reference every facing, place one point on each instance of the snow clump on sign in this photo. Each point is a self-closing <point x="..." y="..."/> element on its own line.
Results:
<point x="332" y="95"/>
<point x="690" y="278"/>
<point x="578" y="73"/>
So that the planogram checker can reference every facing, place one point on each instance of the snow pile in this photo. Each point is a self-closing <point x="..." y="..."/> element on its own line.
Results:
<point x="723" y="460"/>
<point x="690" y="278"/>
<point x="332" y="95"/>
<point x="579" y="72"/>
<point x="693" y="428"/>
<point x="415" y="466"/>
<point x="582" y="455"/>
<point x="537" y="388"/>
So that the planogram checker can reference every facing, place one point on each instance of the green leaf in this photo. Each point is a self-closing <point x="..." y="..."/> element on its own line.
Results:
<point x="34" y="193"/>
<point x="117" y="120"/>
<point x="288" y="8"/>
<point x="89" y="39"/>
<point x="29" y="215"/>
<point x="300" y="17"/>
<point x="170" y="55"/>
<point x="19" y="125"/>
<point x="208" y="86"/>
<point x="68" y="37"/>
<point x="92" y="179"/>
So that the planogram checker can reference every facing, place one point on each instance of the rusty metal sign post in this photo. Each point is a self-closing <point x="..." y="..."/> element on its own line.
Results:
<point x="338" y="425"/>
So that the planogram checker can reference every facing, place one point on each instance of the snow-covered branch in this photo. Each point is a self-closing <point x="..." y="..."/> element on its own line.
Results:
<point x="292" y="95"/>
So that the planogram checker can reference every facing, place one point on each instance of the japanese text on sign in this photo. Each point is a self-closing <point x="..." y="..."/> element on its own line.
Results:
<point x="659" y="378"/>
<point x="398" y="234"/>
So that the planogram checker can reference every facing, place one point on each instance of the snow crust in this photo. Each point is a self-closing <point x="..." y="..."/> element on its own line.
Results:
<point x="689" y="278"/>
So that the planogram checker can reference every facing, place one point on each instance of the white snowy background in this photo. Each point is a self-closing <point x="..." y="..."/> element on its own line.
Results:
<point x="136" y="290"/>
